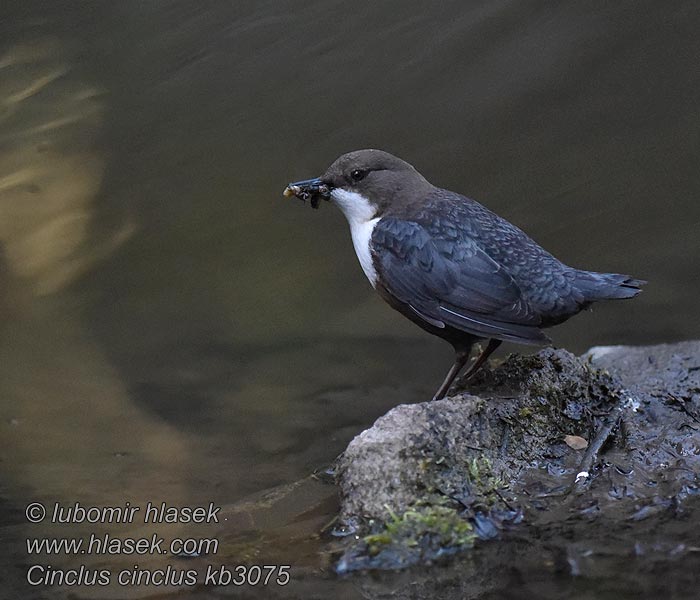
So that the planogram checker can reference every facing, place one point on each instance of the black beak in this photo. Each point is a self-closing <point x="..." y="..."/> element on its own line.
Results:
<point x="309" y="189"/>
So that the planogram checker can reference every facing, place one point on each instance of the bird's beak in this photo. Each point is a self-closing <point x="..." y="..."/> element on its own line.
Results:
<point x="310" y="189"/>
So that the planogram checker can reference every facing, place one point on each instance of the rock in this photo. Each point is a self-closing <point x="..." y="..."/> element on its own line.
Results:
<point x="497" y="454"/>
<point x="405" y="451"/>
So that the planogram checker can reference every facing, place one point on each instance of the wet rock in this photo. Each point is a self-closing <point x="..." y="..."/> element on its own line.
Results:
<point x="480" y="462"/>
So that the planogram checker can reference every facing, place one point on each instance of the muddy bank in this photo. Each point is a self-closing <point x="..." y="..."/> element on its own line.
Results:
<point x="545" y="445"/>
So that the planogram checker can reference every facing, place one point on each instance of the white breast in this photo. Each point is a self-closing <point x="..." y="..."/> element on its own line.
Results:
<point x="360" y="215"/>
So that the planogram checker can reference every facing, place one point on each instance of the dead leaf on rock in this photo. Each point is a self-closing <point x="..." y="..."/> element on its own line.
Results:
<point x="576" y="442"/>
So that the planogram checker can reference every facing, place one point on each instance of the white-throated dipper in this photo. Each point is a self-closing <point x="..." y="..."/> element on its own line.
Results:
<point x="448" y="263"/>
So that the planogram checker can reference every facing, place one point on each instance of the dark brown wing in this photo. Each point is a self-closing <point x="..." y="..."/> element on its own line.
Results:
<point x="453" y="282"/>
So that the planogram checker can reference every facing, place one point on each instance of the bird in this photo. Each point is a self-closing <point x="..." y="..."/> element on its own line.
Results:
<point x="449" y="264"/>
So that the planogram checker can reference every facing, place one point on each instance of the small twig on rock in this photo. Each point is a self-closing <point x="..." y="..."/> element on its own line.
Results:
<point x="591" y="455"/>
<point x="683" y="407"/>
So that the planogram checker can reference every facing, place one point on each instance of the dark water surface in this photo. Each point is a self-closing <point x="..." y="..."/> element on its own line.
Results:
<point x="173" y="330"/>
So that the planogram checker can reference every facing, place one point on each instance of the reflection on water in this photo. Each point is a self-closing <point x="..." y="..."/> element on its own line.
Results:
<point x="172" y="329"/>
<point x="51" y="169"/>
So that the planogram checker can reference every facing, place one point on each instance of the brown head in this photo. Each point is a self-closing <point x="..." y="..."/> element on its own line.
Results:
<point x="365" y="184"/>
<point x="379" y="177"/>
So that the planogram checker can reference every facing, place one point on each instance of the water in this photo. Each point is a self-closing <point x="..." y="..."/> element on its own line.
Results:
<point x="173" y="329"/>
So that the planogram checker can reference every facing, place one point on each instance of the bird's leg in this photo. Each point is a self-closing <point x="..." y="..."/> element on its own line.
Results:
<point x="490" y="347"/>
<point x="461" y="358"/>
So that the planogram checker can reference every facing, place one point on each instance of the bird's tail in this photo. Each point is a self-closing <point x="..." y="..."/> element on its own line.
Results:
<point x="607" y="286"/>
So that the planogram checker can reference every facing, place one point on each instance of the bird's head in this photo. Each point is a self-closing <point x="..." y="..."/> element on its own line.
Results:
<point x="364" y="184"/>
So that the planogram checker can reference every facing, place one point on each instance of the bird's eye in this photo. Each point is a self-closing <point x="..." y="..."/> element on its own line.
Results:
<point x="358" y="174"/>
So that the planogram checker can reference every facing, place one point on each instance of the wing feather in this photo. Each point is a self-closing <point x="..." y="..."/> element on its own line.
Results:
<point x="452" y="282"/>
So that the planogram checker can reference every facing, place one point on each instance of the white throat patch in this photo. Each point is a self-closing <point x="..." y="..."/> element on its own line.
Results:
<point x="360" y="215"/>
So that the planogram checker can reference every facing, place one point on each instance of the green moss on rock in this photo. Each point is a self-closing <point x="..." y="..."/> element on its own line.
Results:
<point x="424" y="531"/>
